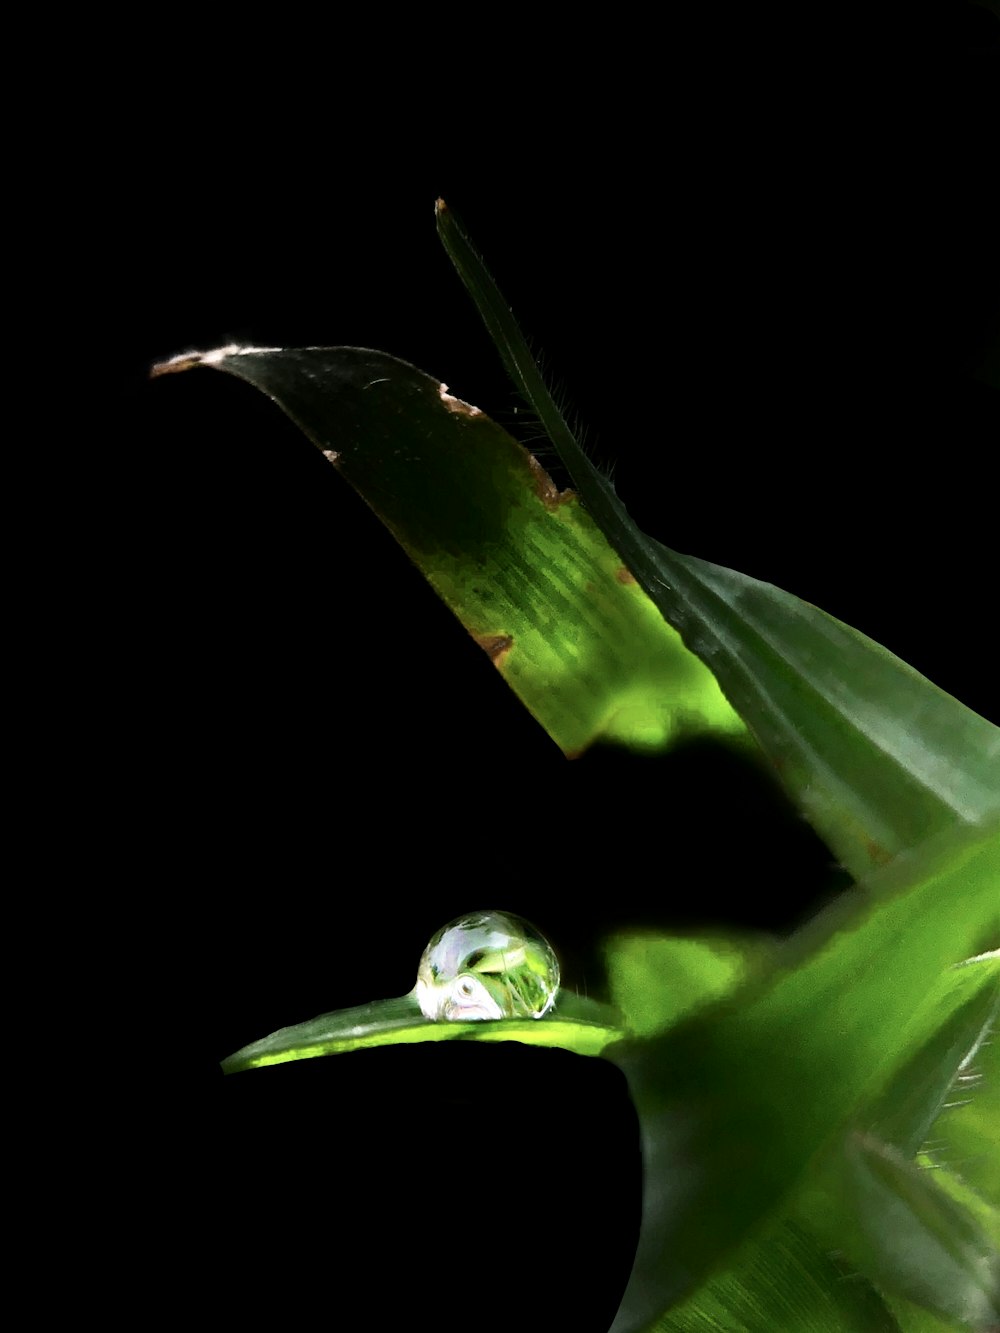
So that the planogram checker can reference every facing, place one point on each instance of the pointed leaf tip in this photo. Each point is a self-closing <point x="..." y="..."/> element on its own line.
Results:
<point x="174" y="365"/>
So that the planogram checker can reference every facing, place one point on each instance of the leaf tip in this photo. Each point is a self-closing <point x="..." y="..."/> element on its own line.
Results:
<point x="189" y="360"/>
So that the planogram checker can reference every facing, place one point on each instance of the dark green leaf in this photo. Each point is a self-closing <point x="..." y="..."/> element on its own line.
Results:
<point x="782" y="1281"/>
<point x="877" y="757"/>
<point x="523" y="567"/>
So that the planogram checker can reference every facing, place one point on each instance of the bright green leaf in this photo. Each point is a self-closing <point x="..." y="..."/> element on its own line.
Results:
<point x="577" y="1024"/>
<point x="967" y="998"/>
<point x="966" y="1135"/>
<point x="655" y="980"/>
<point x="781" y="1281"/>
<point x="736" y="1103"/>
<point x="914" y="1319"/>
<point x="523" y="567"/>
<point x="877" y="757"/>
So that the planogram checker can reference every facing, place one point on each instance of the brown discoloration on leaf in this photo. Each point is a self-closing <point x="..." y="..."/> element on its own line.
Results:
<point x="876" y="852"/>
<point x="497" y="645"/>
<point x="458" y="405"/>
<point x="624" y="575"/>
<point x="176" y="365"/>
<point x="545" y="488"/>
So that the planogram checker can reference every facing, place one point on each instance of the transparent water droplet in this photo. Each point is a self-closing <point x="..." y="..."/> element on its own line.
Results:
<point x="487" y="965"/>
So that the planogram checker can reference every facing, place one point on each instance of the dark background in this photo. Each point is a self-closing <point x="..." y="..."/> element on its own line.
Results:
<point x="758" y="260"/>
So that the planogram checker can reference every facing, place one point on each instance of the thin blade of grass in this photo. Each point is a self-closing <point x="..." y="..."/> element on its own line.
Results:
<point x="877" y="757"/>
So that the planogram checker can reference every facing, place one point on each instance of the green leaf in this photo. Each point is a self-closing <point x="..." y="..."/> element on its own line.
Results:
<point x="523" y="567"/>
<point x="914" y="1319"/>
<point x="851" y="1204"/>
<point x="877" y="757"/>
<point x="966" y="1134"/>
<point x="577" y="1024"/>
<point x="735" y="1104"/>
<point x="655" y="980"/>
<point x="920" y="1234"/>
<point x="913" y="1238"/>
<point x="782" y="1281"/>
<point x="968" y="1000"/>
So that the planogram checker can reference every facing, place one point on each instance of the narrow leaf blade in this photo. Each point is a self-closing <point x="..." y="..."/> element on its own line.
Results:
<point x="914" y="1239"/>
<point x="782" y="1281"/>
<point x="735" y="1104"/>
<point x="522" y="566"/>
<point x="877" y="757"/>
<point x="578" y="1025"/>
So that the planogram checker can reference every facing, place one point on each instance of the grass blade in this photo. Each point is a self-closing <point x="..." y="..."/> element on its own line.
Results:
<point x="877" y="756"/>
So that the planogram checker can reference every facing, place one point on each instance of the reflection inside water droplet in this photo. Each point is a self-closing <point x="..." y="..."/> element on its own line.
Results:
<point x="487" y="965"/>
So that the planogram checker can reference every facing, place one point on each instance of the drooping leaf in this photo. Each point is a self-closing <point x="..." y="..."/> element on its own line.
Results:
<point x="781" y="1281"/>
<point x="877" y="757"/>
<point x="523" y="566"/>
<point x="736" y="1103"/>
<point x="577" y="1024"/>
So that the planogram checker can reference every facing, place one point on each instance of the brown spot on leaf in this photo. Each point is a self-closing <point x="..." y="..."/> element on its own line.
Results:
<point x="457" y="405"/>
<point x="497" y="645"/>
<point x="624" y="575"/>
<point x="545" y="488"/>
<point x="877" y="854"/>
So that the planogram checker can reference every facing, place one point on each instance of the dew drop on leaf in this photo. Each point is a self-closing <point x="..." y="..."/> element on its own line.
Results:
<point x="487" y="965"/>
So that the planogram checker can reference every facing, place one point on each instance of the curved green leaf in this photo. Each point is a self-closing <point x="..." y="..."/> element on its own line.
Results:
<point x="913" y="1238"/>
<point x="966" y="1134"/>
<point x="969" y="1000"/>
<point x="523" y="567"/>
<point x="782" y="1281"/>
<point x="736" y="1103"/>
<point x="877" y="757"/>
<point x="918" y="1246"/>
<point x="577" y="1024"/>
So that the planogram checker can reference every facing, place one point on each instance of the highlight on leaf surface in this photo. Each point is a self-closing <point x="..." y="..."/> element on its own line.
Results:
<point x="740" y="1100"/>
<point x="783" y="1089"/>
<point x="486" y="976"/>
<point x="578" y="1024"/>
<point x="876" y="756"/>
<point x="523" y="566"/>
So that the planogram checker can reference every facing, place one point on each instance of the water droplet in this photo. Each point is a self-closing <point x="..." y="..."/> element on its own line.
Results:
<point x="487" y="965"/>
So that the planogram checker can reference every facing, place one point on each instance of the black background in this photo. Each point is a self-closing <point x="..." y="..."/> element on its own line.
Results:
<point x="757" y="257"/>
